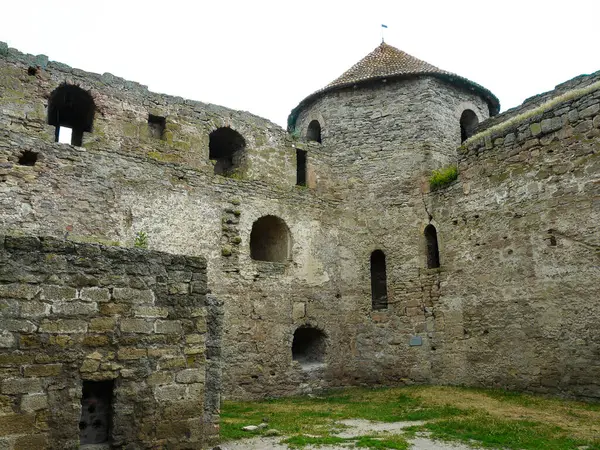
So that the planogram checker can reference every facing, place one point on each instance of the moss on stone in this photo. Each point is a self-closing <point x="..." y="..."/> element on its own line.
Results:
<point x="165" y="157"/>
<point x="226" y="251"/>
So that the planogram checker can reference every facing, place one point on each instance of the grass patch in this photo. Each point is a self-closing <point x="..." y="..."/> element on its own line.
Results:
<point x="316" y="416"/>
<point x="485" y="417"/>
<point x="443" y="177"/>
<point x="491" y="432"/>
<point x="302" y="441"/>
<point x="393" y="442"/>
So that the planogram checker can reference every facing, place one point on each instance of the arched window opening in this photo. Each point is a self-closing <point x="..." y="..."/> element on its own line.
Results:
<point x="378" y="281"/>
<point x="433" y="253"/>
<point x="270" y="240"/>
<point x="468" y="123"/>
<point x="71" y="110"/>
<point x="309" y="347"/>
<point x="314" y="131"/>
<point x="226" y="147"/>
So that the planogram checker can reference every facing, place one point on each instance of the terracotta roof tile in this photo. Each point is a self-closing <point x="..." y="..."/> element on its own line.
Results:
<point x="387" y="62"/>
<point x="384" y="61"/>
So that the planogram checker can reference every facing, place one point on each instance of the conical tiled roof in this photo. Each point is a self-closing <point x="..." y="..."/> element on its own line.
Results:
<point x="389" y="62"/>
<point x="384" y="61"/>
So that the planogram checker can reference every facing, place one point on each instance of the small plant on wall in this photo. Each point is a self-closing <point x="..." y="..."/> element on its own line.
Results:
<point x="141" y="240"/>
<point x="443" y="177"/>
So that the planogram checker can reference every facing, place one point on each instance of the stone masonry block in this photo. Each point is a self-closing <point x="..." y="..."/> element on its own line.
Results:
<point x="136" y="326"/>
<point x="21" y="386"/>
<point x="168" y="327"/>
<point x="21" y="291"/>
<point x="34" y="309"/>
<point x="34" y="402"/>
<point x="589" y="111"/>
<point x="74" y="308"/>
<point x="56" y="293"/>
<point x="32" y="441"/>
<point x="151" y="311"/>
<point x="94" y="294"/>
<point x="63" y="326"/>
<point x="128" y="353"/>
<point x="187" y="376"/>
<point x="128" y="295"/>
<point x="42" y="370"/>
<point x="103" y="324"/>
<point x="298" y="310"/>
<point x="7" y="339"/>
<point x="24" y="326"/>
<point x="170" y="393"/>
<point x="16" y="424"/>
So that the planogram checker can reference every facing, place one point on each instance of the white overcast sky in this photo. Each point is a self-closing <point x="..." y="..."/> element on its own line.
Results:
<point x="265" y="56"/>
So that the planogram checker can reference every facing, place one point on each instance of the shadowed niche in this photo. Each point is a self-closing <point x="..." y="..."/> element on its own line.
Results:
<point x="309" y="346"/>
<point x="270" y="240"/>
<point x="226" y="148"/>
<point x="71" y="107"/>
<point x="313" y="133"/>
<point x="468" y="123"/>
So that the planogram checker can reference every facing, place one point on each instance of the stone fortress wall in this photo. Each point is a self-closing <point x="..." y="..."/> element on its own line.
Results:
<point x="105" y="343"/>
<point x="307" y="319"/>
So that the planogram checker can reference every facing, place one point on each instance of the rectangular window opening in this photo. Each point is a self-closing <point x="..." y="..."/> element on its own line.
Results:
<point x="300" y="167"/>
<point x="96" y="412"/>
<point x="64" y="135"/>
<point x="157" y="126"/>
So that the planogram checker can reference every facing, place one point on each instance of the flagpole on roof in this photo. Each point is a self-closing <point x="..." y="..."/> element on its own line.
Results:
<point x="382" y="28"/>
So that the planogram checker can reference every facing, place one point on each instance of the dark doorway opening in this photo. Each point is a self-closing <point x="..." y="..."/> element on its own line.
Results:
<point x="96" y="412"/>
<point x="379" y="298"/>
<point x="309" y="346"/>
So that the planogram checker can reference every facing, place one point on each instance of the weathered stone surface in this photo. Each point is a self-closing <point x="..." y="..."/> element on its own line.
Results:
<point x="47" y="357"/>
<point x="512" y="304"/>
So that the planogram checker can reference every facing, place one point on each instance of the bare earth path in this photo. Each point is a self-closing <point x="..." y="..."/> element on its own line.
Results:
<point x="355" y="428"/>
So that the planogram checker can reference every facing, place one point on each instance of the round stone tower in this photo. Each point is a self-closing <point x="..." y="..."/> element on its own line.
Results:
<point x="393" y="106"/>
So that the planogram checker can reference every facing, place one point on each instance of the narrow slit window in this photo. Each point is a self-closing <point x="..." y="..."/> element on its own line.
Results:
<point x="433" y="253"/>
<point x="96" y="412"/>
<point x="379" y="299"/>
<point x="300" y="167"/>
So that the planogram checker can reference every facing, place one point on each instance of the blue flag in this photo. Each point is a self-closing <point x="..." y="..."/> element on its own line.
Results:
<point x="383" y="26"/>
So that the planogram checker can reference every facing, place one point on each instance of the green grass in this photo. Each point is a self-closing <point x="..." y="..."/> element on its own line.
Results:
<point x="443" y="177"/>
<point x="490" y="432"/>
<point x="485" y="417"/>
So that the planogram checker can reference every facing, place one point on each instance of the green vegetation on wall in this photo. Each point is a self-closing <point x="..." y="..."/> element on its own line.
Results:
<point x="443" y="177"/>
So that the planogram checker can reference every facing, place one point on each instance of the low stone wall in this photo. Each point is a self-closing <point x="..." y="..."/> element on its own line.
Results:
<point x="121" y="332"/>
